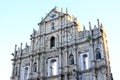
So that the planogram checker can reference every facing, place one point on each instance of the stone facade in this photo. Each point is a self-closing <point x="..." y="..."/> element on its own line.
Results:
<point x="59" y="50"/>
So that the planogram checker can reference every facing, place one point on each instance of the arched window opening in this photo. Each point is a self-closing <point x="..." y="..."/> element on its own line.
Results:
<point x="53" y="67"/>
<point x="16" y="71"/>
<point x="53" y="26"/>
<point x="52" y="42"/>
<point x="62" y="77"/>
<point x="85" y="61"/>
<point x="71" y="59"/>
<point x="98" y="54"/>
<point x="35" y="67"/>
<point x="26" y="73"/>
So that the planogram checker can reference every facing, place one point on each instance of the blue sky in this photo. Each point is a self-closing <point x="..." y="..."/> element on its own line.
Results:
<point x="19" y="17"/>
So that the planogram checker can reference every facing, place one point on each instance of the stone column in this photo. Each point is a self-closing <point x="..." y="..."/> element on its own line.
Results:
<point x="14" y="60"/>
<point x="93" y="60"/>
<point x="92" y="56"/>
<point x="42" y="65"/>
<point x="59" y="65"/>
<point x="31" y="67"/>
<point x="38" y="65"/>
<point x="19" y="69"/>
<point x="66" y="63"/>
<point x="75" y="56"/>
<point x="102" y="50"/>
<point x="13" y="68"/>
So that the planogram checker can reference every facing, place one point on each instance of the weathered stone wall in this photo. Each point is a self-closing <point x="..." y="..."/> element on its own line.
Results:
<point x="68" y="41"/>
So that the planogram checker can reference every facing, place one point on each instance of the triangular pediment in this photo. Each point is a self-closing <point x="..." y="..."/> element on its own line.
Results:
<point x="54" y="13"/>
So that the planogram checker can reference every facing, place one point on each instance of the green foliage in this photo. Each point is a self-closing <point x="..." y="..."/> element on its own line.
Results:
<point x="89" y="37"/>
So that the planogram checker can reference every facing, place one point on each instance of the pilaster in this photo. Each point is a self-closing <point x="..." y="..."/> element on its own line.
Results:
<point x="31" y="63"/>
